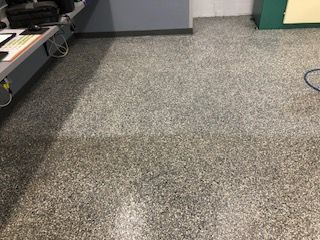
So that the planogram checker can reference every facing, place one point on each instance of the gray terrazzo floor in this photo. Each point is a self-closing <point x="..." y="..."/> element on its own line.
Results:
<point x="210" y="136"/>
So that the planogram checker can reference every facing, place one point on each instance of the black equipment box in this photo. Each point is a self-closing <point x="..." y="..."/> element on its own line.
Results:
<point x="27" y="14"/>
<point x="65" y="6"/>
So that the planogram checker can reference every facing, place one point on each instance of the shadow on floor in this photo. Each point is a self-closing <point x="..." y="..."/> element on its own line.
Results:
<point x="31" y="124"/>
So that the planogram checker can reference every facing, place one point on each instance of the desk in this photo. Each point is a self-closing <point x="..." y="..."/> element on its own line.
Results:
<point x="7" y="67"/>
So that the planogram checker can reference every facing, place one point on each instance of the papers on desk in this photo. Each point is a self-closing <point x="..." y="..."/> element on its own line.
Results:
<point x="18" y="45"/>
<point x="5" y="37"/>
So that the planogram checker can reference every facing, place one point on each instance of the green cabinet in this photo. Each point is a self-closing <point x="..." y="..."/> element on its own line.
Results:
<point x="269" y="14"/>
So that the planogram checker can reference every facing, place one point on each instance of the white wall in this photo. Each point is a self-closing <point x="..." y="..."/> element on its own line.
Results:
<point x="211" y="8"/>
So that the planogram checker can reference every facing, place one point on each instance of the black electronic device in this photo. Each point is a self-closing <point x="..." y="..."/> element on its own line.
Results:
<point x="27" y="14"/>
<point x="65" y="6"/>
<point x="3" y="25"/>
<point x="15" y="2"/>
<point x="29" y="31"/>
<point x="34" y="28"/>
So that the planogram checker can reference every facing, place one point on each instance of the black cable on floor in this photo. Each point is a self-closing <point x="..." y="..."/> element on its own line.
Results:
<point x="306" y="79"/>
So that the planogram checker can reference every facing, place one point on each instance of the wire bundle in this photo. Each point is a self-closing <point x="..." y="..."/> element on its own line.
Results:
<point x="5" y="84"/>
<point x="8" y="102"/>
<point x="56" y="49"/>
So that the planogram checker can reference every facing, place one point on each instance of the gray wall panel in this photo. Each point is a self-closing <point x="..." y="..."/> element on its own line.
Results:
<point x="134" y="15"/>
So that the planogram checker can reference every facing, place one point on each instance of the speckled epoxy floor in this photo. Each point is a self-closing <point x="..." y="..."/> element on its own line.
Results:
<point x="210" y="136"/>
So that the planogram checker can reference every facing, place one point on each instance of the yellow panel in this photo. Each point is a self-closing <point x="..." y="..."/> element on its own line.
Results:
<point x="302" y="11"/>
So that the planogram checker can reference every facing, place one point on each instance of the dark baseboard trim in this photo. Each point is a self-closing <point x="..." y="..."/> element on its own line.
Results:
<point x="134" y="33"/>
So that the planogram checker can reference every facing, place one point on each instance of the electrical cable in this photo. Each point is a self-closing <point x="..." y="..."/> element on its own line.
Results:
<point x="56" y="49"/>
<point x="8" y="102"/>
<point x="61" y="49"/>
<point x="70" y="23"/>
<point x="60" y="24"/>
<point x="5" y="83"/>
<point x="306" y="79"/>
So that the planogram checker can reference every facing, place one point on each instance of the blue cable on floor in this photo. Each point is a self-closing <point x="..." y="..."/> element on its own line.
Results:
<point x="307" y="81"/>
